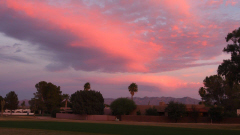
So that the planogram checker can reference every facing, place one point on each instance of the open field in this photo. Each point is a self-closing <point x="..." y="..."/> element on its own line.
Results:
<point x="40" y="125"/>
<point x="23" y="131"/>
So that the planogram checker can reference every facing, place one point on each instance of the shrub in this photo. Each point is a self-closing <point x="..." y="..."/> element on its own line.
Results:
<point x="87" y="102"/>
<point x="230" y="114"/>
<point x="151" y="111"/>
<point x="195" y="113"/>
<point x="54" y="112"/>
<point x="175" y="110"/>
<point x="122" y="106"/>
<point x="216" y="113"/>
<point x="138" y="112"/>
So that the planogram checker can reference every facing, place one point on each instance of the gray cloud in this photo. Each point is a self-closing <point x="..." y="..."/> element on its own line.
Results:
<point x="55" y="41"/>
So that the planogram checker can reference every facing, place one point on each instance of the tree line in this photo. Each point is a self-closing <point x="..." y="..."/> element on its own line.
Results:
<point x="49" y="98"/>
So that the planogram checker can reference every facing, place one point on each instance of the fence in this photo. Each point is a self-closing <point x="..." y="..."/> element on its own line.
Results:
<point x="164" y="119"/>
<point x="85" y="117"/>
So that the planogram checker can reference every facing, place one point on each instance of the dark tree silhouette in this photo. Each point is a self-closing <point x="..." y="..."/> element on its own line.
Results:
<point x="87" y="102"/>
<point x="175" y="110"/>
<point x="48" y="96"/>
<point x="122" y="106"/>
<point x="87" y="86"/>
<point x="11" y="100"/>
<point x="230" y="69"/>
<point x="132" y="88"/>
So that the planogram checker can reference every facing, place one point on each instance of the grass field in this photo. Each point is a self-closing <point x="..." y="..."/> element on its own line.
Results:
<point x="54" y="126"/>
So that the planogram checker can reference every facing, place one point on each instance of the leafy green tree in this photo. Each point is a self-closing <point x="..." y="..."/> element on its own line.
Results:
<point x="132" y="89"/>
<point x="122" y="106"/>
<point x="214" y="90"/>
<point x="87" y="86"/>
<point x="224" y="89"/>
<point x="2" y="105"/>
<point x="216" y="113"/>
<point x="151" y="111"/>
<point x="175" y="110"/>
<point x="1" y="98"/>
<point x="34" y="105"/>
<point x="11" y="100"/>
<point x="87" y="102"/>
<point x="48" y="96"/>
<point x="230" y="68"/>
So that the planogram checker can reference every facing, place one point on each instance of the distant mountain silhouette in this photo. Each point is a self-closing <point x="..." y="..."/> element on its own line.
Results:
<point x="156" y="100"/>
<point x="145" y="100"/>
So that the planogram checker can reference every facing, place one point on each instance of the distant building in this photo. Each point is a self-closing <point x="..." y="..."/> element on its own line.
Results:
<point x="202" y="109"/>
<point x="66" y="110"/>
<point x="18" y="111"/>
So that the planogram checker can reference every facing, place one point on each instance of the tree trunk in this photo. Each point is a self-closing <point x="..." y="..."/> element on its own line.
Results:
<point x="65" y="103"/>
<point x="132" y="93"/>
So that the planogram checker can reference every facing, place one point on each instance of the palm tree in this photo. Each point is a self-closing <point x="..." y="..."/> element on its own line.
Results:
<point x="202" y="93"/>
<point x="132" y="89"/>
<point x="87" y="86"/>
<point x="66" y="97"/>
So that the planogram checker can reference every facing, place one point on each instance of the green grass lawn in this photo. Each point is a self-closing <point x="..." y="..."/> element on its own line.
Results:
<point x="113" y="128"/>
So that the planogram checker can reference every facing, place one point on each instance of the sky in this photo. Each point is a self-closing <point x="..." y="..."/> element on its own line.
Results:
<point x="167" y="47"/>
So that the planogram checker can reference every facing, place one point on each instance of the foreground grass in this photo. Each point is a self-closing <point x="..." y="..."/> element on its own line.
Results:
<point x="182" y="125"/>
<point x="100" y="128"/>
<point x="23" y="131"/>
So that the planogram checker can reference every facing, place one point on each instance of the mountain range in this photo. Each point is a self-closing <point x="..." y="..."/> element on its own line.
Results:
<point x="156" y="100"/>
<point x="146" y="100"/>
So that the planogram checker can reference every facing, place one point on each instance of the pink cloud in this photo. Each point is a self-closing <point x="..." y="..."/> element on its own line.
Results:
<point x="231" y="2"/>
<point x="120" y="36"/>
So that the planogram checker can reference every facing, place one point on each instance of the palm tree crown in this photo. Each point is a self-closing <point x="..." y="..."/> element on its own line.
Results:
<point x="132" y="89"/>
<point x="87" y="86"/>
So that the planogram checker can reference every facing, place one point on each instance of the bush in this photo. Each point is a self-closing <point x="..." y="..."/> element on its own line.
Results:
<point x="54" y="112"/>
<point x="195" y="113"/>
<point x="216" y="113"/>
<point x="151" y="111"/>
<point x="138" y="112"/>
<point x="87" y="102"/>
<point x="230" y="114"/>
<point x="122" y="106"/>
<point x="175" y="110"/>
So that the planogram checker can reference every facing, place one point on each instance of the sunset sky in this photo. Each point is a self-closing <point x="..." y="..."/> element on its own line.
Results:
<point x="167" y="47"/>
